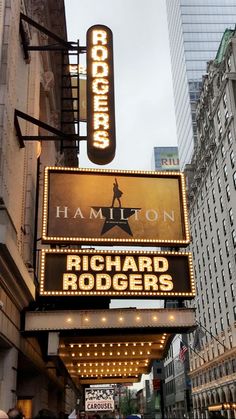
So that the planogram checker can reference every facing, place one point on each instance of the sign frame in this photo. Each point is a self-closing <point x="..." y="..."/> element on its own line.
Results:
<point x="53" y="267"/>
<point x="50" y="235"/>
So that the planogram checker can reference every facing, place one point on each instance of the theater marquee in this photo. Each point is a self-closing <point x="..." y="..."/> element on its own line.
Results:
<point x="101" y="138"/>
<point x="71" y="272"/>
<point x="114" y="207"/>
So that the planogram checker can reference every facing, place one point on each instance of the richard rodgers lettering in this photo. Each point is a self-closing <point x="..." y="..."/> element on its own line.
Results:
<point x="117" y="273"/>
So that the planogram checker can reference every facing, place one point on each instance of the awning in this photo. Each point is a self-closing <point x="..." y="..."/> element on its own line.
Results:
<point x="114" y="345"/>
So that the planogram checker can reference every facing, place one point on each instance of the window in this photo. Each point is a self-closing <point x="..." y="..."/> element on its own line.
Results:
<point x="226" y="117"/>
<point x="231" y="217"/>
<point x="221" y="204"/>
<point x="201" y="239"/>
<point x="215" y="214"/>
<point x="223" y="151"/>
<point x="230" y="140"/>
<point x="225" y="101"/>
<point x="218" y="116"/>
<point x="227" y="248"/>
<point x="232" y="159"/>
<point x="213" y="198"/>
<point x="220" y="304"/>
<point x="203" y="260"/>
<point x="227" y="319"/>
<point x="218" y="235"/>
<point x="226" y="298"/>
<point x="232" y="291"/>
<point x="227" y="192"/>
<point x="234" y="309"/>
<point x="225" y="172"/>
<point x="220" y="131"/>
<point x="199" y="224"/>
<point x="234" y="179"/>
<point x="214" y="309"/>
<point x="209" y="315"/>
<point x="222" y="324"/>
<point x="217" y="284"/>
<point x="212" y="244"/>
<point x="211" y="175"/>
<point x="230" y="269"/>
<point x="208" y="252"/>
<point x="234" y="238"/>
<point x="224" y="226"/>
<point x="221" y="256"/>
<point x="223" y="277"/>
<point x="219" y="184"/>
<point x="210" y="270"/>
<point x="205" y="231"/>
<point x="203" y="215"/>
<point x="210" y="223"/>
<point x="212" y="290"/>
<point x="215" y="264"/>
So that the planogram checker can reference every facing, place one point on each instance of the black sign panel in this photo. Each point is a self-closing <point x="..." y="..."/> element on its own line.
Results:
<point x="116" y="274"/>
<point x="101" y="141"/>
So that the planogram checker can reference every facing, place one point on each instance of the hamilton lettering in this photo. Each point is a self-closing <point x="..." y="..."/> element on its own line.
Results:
<point x="150" y="214"/>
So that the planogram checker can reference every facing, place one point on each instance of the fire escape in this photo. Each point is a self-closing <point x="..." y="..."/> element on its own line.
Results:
<point x="69" y="133"/>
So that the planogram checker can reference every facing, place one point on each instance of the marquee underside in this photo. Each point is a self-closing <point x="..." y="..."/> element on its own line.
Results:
<point x="111" y="346"/>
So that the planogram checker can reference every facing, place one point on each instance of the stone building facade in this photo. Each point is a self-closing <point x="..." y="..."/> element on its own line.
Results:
<point x="211" y="179"/>
<point x="30" y="85"/>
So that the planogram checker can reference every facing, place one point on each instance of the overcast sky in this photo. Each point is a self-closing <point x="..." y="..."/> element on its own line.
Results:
<point x="143" y="87"/>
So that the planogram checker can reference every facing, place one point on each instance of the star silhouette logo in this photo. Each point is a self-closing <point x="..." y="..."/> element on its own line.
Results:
<point x="116" y="215"/>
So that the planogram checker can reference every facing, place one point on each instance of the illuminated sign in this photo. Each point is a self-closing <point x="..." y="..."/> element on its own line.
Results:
<point x="99" y="399"/>
<point x="114" y="207"/>
<point x="222" y="406"/>
<point x="101" y="142"/>
<point x="116" y="273"/>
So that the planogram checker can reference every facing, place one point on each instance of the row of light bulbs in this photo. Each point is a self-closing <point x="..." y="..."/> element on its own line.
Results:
<point x="90" y="364"/>
<point x="95" y="345"/>
<point x="113" y="353"/>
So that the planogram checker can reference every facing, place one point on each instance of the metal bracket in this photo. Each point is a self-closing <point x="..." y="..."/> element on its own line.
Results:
<point x="61" y="44"/>
<point x="58" y="135"/>
<point x="65" y="47"/>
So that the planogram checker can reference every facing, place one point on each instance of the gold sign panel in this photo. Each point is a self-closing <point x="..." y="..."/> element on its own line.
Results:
<point x="116" y="274"/>
<point x="114" y="207"/>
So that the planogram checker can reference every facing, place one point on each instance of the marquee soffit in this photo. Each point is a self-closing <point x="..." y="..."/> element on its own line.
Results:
<point x="114" y="345"/>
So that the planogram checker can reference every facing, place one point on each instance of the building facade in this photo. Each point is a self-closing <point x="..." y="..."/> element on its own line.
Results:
<point x="30" y="86"/>
<point x="195" y="30"/>
<point x="212" y="212"/>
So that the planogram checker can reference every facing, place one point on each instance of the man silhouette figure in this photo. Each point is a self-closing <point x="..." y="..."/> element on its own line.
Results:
<point x="116" y="194"/>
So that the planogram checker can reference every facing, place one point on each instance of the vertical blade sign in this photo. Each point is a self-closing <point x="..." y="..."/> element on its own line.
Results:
<point x="101" y="139"/>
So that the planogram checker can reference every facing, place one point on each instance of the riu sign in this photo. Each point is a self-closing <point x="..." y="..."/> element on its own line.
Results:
<point x="101" y="142"/>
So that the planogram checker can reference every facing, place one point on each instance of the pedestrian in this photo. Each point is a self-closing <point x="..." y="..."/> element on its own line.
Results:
<point x="45" y="414"/>
<point x="15" y="413"/>
<point x="3" y="415"/>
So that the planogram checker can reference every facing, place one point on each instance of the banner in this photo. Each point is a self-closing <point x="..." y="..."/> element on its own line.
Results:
<point x="116" y="273"/>
<point x="114" y="207"/>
